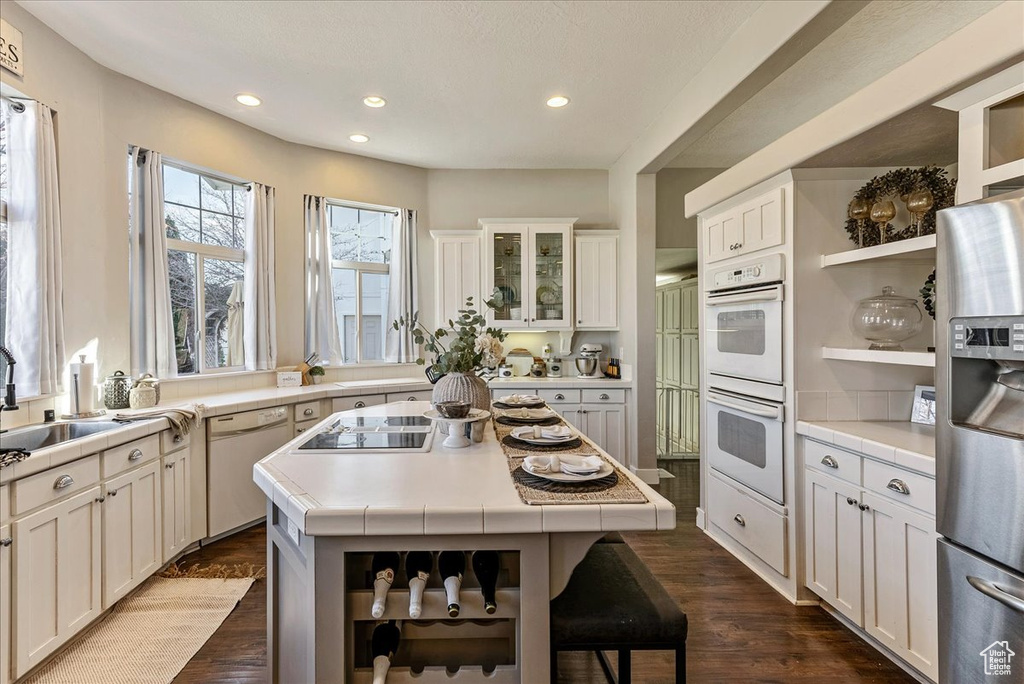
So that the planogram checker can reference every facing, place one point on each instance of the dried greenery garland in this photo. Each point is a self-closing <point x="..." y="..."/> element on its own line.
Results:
<point x="898" y="184"/>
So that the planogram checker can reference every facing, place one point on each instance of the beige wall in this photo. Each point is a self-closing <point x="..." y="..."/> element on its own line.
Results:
<point x="674" y="230"/>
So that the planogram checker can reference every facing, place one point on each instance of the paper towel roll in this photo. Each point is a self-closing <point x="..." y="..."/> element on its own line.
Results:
<point x="86" y="385"/>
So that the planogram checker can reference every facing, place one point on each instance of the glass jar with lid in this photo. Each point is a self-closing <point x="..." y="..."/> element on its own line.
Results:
<point x="887" y="319"/>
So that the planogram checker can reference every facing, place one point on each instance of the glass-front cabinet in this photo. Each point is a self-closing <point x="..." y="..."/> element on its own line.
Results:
<point x="530" y="265"/>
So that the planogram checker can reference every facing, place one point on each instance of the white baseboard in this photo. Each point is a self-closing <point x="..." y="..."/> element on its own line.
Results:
<point x="743" y="555"/>
<point x="700" y="519"/>
<point x="879" y="646"/>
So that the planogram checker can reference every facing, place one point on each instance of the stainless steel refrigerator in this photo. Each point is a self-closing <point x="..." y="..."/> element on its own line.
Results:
<point x="980" y="440"/>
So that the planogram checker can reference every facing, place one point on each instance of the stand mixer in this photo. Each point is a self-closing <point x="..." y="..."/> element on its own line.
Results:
<point x="588" y="363"/>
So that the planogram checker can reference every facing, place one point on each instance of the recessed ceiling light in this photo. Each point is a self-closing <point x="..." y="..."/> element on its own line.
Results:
<point x="248" y="100"/>
<point x="374" y="101"/>
<point x="558" y="101"/>
<point x="359" y="138"/>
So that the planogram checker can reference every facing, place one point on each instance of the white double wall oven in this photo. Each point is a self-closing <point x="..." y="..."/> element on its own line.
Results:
<point x="744" y="327"/>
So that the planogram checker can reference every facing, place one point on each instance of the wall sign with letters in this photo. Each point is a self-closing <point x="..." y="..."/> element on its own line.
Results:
<point x="11" y="55"/>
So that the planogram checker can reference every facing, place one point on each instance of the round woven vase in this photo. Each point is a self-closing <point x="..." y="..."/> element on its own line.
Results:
<point x="462" y="387"/>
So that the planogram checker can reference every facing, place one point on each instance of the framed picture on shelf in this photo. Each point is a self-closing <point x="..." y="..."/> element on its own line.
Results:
<point x="923" y="412"/>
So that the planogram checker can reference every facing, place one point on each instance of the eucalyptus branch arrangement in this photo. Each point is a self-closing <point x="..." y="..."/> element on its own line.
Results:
<point x="471" y="343"/>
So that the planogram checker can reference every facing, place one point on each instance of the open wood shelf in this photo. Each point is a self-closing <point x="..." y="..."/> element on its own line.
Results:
<point x="435" y="605"/>
<point x="914" y="249"/>
<point x="899" y="358"/>
<point x="503" y="674"/>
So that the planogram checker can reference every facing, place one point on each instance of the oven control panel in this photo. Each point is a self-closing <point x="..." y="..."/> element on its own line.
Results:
<point x="767" y="269"/>
<point x="992" y="337"/>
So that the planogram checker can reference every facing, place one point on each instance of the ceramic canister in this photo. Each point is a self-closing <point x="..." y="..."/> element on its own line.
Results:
<point x="115" y="390"/>
<point x="142" y="396"/>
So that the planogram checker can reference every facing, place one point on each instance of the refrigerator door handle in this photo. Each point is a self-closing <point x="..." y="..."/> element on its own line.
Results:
<point x="994" y="591"/>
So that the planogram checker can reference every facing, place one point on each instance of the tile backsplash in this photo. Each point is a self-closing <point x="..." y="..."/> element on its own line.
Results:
<point x="863" y="405"/>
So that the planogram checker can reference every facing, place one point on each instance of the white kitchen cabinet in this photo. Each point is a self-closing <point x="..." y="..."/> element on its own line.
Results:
<point x="605" y="424"/>
<point x="900" y="577"/>
<point x="673" y="359"/>
<point x="57" y="567"/>
<point x="834" y="545"/>
<point x="597" y="280"/>
<point x="659" y="310"/>
<point x="349" y="403"/>
<point x="5" y="603"/>
<point x="673" y="310"/>
<point x="457" y="272"/>
<point x="751" y="226"/>
<point x="176" y="501"/>
<point x="417" y="395"/>
<point x="132" y="517"/>
<point x="530" y="264"/>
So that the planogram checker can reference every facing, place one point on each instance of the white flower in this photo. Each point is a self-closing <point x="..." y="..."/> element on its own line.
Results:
<point x="491" y="349"/>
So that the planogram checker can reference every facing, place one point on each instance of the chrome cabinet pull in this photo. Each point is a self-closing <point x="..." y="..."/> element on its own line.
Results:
<point x="864" y="507"/>
<point x="994" y="591"/>
<point x="6" y="542"/>
<point x="603" y="396"/>
<point x="559" y="397"/>
<point x="135" y="455"/>
<point x="830" y="462"/>
<point x="112" y="492"/>
<point x="851" y="501"/>
<point x="177" y="439"/>
<point x="360" y="404"/>
<point x="169" y="466"/>
<point x="308" y="412"/>
<point x="739" y="520"/>
<point x="63" y="482"/>
<point x="898" y="486"/>
<point x="101" y="499"/>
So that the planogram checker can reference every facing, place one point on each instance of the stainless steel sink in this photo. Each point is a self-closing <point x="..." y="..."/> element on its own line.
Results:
<point x="34" y="437"/>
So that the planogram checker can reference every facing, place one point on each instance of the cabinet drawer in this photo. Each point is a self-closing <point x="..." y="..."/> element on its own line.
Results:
<point x="559" y="396"/>
<point x="900" y="485"/>
<point x="127" y="456"/>
<point x="42" y="488"/>
<point x="307" y="411"/>
<point x="604" y="396"/>
<point x="758" y="528"/>
<point x="346" y="403"/>
<point x="171" y="441"/>
<point x="421" y="395"/>
<point x="5" y="504"/>
<point x="303" y="426"/>
<point x="835" y="462"/>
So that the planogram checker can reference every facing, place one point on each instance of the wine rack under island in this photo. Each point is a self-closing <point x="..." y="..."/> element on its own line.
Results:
<point x="330" y="511"/>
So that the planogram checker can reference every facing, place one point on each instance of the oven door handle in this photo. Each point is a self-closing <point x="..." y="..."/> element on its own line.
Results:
<point x="773" y="294"/>
<point x="773" y="413"/>
<point x="994" y="591"/>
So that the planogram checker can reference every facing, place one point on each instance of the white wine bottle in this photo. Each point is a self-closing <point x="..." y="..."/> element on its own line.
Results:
<point x="383" y="566"/>
<point x="383" y="646"/>
<point x="485" y="566"/>
<point x="452" y="565"/>
<point x="418" y="565"/>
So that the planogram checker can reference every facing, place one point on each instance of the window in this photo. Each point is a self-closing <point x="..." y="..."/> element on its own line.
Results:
<point x="360" y="269"/>
<point x="205" y="218"/>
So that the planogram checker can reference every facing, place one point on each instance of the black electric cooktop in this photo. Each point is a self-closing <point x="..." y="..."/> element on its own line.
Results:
<point x="371" y="432"/>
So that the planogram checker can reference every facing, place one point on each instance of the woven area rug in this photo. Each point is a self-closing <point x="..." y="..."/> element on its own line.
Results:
<point x="149" y="636"/>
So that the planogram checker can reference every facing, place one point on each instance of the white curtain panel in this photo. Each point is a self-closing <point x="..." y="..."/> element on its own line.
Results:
<point x="152" y="327"/>
<point x="399" y="346"/>
<point x="260" y="296"/>
<point x="35" y="313"/>
<point x="321" y="321"/>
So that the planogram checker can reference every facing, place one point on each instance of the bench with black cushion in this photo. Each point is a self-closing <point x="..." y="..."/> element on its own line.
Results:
<point x="614" y="603"/>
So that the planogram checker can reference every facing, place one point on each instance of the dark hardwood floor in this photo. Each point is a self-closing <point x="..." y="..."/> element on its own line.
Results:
<point x="740" y="629"/>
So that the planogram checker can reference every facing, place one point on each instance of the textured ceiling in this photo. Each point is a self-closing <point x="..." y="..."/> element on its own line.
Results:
<point x="465" y="82"/>
<point x="880" y="37"/>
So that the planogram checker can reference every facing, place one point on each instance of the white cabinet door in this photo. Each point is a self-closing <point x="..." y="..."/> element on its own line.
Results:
<point x="132" y="515"/>
<point x="5" y="604"/>
<point x="659" y="308"/>
<point x="506" y="248"/>
<point x="900" y="600"/>
<point x="597" y="285"/>
<point x="457" y="273"/>
<point x="720" y="235"/>
<point x="575" y="417"/>
<point x="673" y="359"/>
<point x="673" y="309"/>
<point x="177" y="501"/>
<point x="833" y="543"/>
<point x="550" y="261"/>
<point x="56" y="576"/>
<point x="691" y="308"/>
<point x="605" y="424"/>
<point x="760" y="223"/>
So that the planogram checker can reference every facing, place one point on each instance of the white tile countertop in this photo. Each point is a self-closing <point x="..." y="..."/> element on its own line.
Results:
<point x="442" y="491"/>
<point x="571" y="382"/>
<point x="906" y="444"/>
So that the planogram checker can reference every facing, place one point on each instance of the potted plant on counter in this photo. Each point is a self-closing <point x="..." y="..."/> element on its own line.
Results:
<point x="466" y="346"/>
<point x="316" y="374"/>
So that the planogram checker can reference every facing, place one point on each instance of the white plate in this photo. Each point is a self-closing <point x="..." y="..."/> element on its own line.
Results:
<point x="475" y="414"/>
<point x="545" y="441"/>
<point x="605" y="471"/>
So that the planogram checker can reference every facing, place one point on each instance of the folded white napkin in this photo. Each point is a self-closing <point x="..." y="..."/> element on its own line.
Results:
<point x="565" y="463"/>
<point x="555" y="433"/>
<point x="520" y="399"/>
<point x="529" y="414"/>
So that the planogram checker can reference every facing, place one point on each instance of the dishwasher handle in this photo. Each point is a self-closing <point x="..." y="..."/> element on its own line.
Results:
<point x="245" y="431"/>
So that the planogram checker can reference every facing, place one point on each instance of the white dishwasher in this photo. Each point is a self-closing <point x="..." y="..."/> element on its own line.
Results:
<point x="235" y="443"/>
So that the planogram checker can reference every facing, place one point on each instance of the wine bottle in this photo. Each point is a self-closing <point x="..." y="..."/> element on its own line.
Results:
<point x="383" y="567"/>
<point x="452" y="565"/>
<point x="418" y="565"/>
<point x="383" y="645"/>
<point x="485" y="566"/>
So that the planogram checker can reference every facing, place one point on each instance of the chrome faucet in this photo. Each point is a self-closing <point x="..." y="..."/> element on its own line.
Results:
<point x="10" y="396"/>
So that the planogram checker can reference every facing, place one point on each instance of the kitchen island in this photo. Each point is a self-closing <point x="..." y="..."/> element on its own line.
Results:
<point x="328" y="511"/>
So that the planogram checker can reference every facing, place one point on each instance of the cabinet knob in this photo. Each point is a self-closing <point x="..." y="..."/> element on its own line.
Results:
<point x="135" y="455"/>
<point x="7" y="541"/>
<point x="829" y="461"/>
<point x="559" y="397"/>
<point x="308" y="412"/>
<point x="169" y="466"/>
<point x="112" y="492"/>
<point x="739" y="520"/>
<point x="298" y="430"/>
<point x="864" y="507"/>
<point x="177" y="439"/>
<point x="101" y="499"/>
<point x="63" y="482"/>
<point x="898" y="486"/>
<point x="851" y="501"/>
<point x="579" y="322"/>
<point x="360" y="404"/>
<point x="603" y="396"/>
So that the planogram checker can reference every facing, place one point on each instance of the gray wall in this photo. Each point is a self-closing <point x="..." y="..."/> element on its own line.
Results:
<point x="673" y="228"/>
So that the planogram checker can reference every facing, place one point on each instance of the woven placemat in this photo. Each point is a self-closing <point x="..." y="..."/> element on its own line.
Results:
<point x="507" y="407"/>
<point x="518" y="422"/>
<point x="520" y="476"/>
<point x="520" y="445"/>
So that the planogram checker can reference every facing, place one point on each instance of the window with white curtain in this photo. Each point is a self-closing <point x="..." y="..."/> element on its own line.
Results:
<point x="5" y="197"/>
<point x="205" y="220"/>
<point x="360" y="240"/>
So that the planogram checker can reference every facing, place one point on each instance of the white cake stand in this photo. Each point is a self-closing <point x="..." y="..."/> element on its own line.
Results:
<point x="457" y="438"/>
